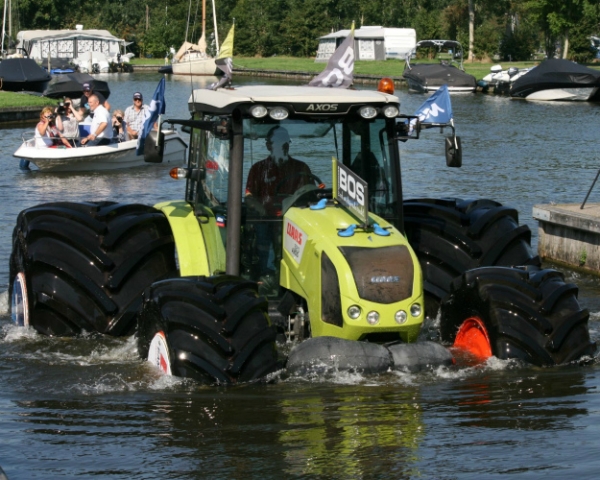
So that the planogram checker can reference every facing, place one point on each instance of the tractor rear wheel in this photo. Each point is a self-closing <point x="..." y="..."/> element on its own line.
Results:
<point x="83" y="266"/>
<point x="213" y="329"/>
<point x="451" y="236"/>
<point x="525" y="313"/>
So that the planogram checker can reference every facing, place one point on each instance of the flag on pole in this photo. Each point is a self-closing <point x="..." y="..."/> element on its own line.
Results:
<point x="437" y="108"/>
<point x="339" y="72"/>
<point x="225" y="60"/>
<point x="157" y="107"/>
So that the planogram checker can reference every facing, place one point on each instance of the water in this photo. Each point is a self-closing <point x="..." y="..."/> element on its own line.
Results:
<point x="88" y="408"/>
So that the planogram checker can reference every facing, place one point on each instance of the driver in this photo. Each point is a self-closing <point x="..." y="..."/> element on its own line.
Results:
<point x="277" y="176"/>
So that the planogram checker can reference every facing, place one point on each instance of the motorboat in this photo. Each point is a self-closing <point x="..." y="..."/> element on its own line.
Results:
<point x="22" y="75"/>
<point x="427" y="77"/>
<point x="558" y="79"/>
<point x="500" y="80"/>
<point x="96" y="158"/>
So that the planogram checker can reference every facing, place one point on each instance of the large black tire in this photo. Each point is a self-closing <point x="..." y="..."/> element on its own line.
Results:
<point x="84" y="266"/>
<point x="451" y="236"/>
<point x="213" y="329"/>
<point x="526" y="313"/>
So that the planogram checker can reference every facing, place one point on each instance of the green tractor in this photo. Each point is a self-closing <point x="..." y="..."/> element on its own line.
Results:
<point x="294" y="226"/>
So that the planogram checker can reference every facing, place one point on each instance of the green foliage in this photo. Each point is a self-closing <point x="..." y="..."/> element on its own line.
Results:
<point x="519" y="45"/>
<point x="292" y="27"/>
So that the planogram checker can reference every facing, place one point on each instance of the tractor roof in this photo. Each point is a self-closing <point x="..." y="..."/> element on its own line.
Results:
<point x="226" y="100"/>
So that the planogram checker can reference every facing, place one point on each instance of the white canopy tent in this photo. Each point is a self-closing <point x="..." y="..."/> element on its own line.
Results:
<point x="68" y="44"/>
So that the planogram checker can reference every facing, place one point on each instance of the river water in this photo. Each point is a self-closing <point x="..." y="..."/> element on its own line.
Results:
<point x="89" y="408"/>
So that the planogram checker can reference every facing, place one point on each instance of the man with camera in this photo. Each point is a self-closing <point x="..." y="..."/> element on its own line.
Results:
<point x="135" y="116"/>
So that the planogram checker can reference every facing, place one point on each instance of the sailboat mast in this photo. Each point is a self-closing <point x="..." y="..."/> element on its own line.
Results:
<point x="216" y="32"/>
<point x="202" y="41"/>
<point x="4" y="27"/>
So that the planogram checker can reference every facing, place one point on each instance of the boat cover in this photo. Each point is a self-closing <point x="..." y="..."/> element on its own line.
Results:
<point x="438" y="74"/>
<point x="71" y="85"/>
<point x="22" y="70"/>
<point x="554" y="73"/>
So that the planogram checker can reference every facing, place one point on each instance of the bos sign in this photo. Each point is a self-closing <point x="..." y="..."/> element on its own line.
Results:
<point x="353" y="193"/>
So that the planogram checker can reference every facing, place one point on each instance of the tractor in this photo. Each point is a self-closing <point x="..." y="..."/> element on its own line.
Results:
<point x="293" y="228"/>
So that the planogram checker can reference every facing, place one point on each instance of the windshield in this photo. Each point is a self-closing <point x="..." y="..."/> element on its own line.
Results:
<point x="280" y="158"/>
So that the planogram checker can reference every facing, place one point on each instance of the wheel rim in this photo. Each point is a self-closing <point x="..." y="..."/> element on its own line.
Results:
<point x="158" y="353"/>
<point x="19" y="306"/>
<point x="473" y="337"/>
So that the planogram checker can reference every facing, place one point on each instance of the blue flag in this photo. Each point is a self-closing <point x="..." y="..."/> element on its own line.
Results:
<point x="437" y="108"/>
<point x="157" y="107"/>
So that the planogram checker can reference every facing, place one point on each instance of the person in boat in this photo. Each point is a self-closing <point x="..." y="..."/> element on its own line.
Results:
<point x="84" y="106"/>
<point x="101" y="131"/>
<point x="46" y="132"/>
<point x="135" y="116"/>
<point x="66" y="121"/>
<point x="119" y="126"/>
<point x="269" y="181"/>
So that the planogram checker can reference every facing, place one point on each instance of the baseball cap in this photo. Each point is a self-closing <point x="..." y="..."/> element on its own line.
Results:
<point x="86" y="87"/>
<point x="137" y="95"/>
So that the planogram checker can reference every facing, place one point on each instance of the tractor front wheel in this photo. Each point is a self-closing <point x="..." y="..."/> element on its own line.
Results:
<point x="212" y="329"/>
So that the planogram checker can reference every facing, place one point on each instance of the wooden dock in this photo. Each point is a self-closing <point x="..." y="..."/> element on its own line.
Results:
<point x="570" y="235"/>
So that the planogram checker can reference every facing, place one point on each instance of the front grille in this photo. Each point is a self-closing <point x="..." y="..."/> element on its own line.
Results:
<point x="382" y="275"/>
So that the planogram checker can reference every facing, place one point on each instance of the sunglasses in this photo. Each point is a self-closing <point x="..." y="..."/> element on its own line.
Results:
<point x="137" y="99"/>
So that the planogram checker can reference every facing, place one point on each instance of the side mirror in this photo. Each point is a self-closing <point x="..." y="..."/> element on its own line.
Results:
<point x="154" y="145"/>
<point x="453" y="152"/>
<point x="407" y="126"/>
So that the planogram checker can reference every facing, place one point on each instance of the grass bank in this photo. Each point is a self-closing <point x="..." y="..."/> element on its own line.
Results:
<point x="20" y="100"/>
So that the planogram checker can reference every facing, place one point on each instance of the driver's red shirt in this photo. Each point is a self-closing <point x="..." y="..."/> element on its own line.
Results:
<point x="270" y="182"/>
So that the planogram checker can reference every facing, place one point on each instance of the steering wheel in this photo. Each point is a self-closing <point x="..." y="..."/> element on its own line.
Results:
<point x="306" y="193"/>
<point x="287" y="178"/>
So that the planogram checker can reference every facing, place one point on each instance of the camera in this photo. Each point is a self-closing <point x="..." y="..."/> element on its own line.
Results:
<point x="62" y="108"/>
<point x="119" y="118"/>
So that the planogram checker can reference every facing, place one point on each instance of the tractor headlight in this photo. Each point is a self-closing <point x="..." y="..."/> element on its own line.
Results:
<point x="373" y="318"/>
<point x="354" y="312"/>
<point x="391" y="111"/>
<point x="400" y="317"/>
<point x="278" y="113"/>
<point x="415" y="310"/>
<point x="368" y="112"/>
<point x="258" y="111"/>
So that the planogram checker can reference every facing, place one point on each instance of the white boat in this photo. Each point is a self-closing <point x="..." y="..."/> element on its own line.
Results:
<point x="500" y="80"/>
<point x="192" y="58"/>
<point x="105" y="157"/>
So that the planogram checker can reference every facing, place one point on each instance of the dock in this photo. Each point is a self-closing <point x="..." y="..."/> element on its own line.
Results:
<point x="570" y="235"/>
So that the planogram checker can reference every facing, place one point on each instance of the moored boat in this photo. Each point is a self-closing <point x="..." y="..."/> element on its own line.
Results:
<point x="500" y="80"/>
<point x="193" y="59"/>
<point x="558" y="79"/>
<point x="448" y="69"/>
<point x="96" y="158"/>
<point x="22" y="75"/>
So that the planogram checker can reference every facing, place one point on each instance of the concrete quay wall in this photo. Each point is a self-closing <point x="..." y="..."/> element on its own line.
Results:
<point x="570" y="235"/>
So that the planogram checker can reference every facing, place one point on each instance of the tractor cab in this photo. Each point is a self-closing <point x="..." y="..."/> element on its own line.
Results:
<point x="281" y="151"/>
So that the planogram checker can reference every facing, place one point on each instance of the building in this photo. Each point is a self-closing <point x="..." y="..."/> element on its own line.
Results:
<point x="371" y="43"/>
